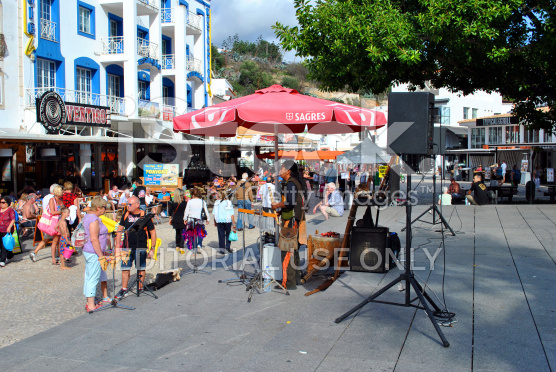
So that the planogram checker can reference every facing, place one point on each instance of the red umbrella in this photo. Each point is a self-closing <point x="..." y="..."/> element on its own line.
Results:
<point x="278" y="110"/>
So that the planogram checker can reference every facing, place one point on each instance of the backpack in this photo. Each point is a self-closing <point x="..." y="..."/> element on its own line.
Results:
<point x="499" y="171"/>
<point x="517" y="174"/>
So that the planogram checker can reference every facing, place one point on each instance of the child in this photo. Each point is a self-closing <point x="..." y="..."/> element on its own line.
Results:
<point x="62" y="229"/>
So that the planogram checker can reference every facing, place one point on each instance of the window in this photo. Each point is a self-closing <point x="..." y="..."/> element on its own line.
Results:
<point x="113" y="85"/>
<point x="495" y="135"/>
<point x="142" y="90"/>
<point x="512" y="134"/>
<point x="465" y="113"/>
<point x="164" y="47"/>
<point x="84" y="20"/>
<point x="474" y="114"/>
<point x="477" y="138"/>
<point x="113" y="28"/>
<point x="46" y="9"/>
<point x="46" y="74"/>
<point x="141" y="34"/>
<point x="531" y="136"/>
<point x="83" y="84"/>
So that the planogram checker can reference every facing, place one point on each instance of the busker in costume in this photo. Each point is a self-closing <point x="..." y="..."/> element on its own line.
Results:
<point x="293" y="216"/>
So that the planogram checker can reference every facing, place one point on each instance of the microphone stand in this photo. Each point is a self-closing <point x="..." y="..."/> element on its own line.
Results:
<point x="244" y="277"/>
<point x="114" y="302"/>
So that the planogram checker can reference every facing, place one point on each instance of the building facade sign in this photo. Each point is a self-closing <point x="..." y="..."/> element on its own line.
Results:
<point x="508" y="120"/>
<point x="161" y="174"/>
<point x="53" y="113"/>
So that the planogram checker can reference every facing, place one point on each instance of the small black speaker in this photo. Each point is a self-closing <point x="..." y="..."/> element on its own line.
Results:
<point x="410" y="123"/>
<point x="368" y="250"/>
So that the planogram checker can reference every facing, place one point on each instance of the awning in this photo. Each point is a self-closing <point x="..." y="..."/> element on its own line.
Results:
<point x="303" y="155"/>
<point x="458" y="131"/>
<point x="57" y="138"/>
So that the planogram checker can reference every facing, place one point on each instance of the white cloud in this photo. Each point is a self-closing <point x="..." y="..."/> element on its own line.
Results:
<point x="249" y="19"/>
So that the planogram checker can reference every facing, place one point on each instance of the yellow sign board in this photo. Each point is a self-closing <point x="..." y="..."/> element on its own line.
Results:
<point x="382" y="170"/>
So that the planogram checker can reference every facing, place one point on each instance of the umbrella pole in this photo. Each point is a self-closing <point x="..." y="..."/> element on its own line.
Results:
<point x="277" y="180"/>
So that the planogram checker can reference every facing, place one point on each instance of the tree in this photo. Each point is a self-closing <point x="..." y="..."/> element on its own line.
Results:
<point x="494" y="45"/>
<point x="217" y="59"/>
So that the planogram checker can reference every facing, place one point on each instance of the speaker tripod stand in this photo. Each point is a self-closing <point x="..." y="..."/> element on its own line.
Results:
<point x="433" y="209"/>
<point x="410" y="282"/>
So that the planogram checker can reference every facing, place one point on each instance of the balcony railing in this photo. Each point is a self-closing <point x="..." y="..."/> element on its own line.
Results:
<point x="112" y="45"/>
<point x="152" y="3"/>
<point x="48" y="30"/>
<point x="168" y="61"/>
<point x="167" y="15"/>
<point x="146" y="48"/>
<point x="195" y="21"/>
<point x="194" y="64"/>
<point x="168" y="112"/>
<point x="116" y="104"/>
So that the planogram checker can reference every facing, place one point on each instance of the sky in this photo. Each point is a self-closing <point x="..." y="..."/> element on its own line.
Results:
<point x="249" y="19"/>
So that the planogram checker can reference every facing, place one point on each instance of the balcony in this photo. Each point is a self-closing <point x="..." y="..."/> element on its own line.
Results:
<point x="195" y="22"/>
<point x="116" y="104"/>
<point x="153" y="4"/>
<point x="194" y="64"/>
<point x="112" y="45"/>
<point x="146" y="48"/>
<point x="48" y="30"/>
<point x="168" y="61"/>
<point x="167" y="15"/>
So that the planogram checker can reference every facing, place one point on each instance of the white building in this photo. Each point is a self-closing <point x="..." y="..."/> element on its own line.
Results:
<point x="144" y="60"/>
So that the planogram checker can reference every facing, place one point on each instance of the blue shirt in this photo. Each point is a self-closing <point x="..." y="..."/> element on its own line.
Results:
<point x="161" y="195"/>
<point x="223" y="211"/>
<point x="335" y="201"/>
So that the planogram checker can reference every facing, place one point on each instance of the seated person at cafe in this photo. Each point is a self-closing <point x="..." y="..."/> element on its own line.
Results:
<point x="114" y="195"/>
<point x="445" y="198"/>
<point x="164" y="196"/>
<point x="29" y="212"/>
<point x="480" y="191"/>
<point x="123" y="199"/>
<point x="454" y="189"/>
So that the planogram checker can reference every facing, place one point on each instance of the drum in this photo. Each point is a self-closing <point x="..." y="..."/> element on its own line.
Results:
<point x="272" y="261"/>
<point x="319" y="247"/>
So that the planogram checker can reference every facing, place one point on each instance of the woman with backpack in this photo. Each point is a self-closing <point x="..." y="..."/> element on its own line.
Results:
<point x="224" y="220"/>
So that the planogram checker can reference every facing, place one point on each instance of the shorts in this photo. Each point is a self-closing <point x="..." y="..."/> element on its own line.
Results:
<point x="31" y="223"/>
<point x="133" y="257"/>
<point x="331" y="211"/>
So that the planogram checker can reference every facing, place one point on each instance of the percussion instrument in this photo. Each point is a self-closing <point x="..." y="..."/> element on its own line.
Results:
<point x="320" y="253"/>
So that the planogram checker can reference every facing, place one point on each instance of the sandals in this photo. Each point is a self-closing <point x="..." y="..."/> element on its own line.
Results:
<point x="90" y="311"/>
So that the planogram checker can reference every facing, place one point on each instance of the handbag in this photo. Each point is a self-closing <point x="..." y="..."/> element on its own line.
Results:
<point x="9" y="242"/>
<point x="47" y="224"/>
<point x="289" y="238"/>
<point x="203" y="214"/>
<point x="233" y="236"/>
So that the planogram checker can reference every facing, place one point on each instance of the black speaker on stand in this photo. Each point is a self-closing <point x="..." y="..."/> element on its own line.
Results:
<point x="368" y="250"/>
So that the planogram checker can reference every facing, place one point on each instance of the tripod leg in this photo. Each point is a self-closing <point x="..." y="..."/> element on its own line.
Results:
<point x="421" y="215"/>
<point x="444" y="221"/>
<point x="416" y="286"/>
<point x="370" y="299"/>
<point x="429" y="299"/>
<point x="146" y="287"/>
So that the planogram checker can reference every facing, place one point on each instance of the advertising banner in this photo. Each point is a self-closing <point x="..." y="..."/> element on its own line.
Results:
<point x="161" y="174"/>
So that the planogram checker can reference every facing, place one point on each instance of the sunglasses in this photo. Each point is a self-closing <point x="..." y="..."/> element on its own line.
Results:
<point x="3" y="202"/>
